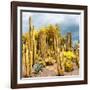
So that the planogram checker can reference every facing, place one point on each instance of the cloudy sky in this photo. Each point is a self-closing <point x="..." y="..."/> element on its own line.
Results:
<point x="67" y="22"/>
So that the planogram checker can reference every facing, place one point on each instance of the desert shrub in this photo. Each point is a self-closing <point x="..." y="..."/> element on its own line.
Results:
<point x="68" y="66"/>
<point x="37" y="67"/>
<point x="69" y="55"/>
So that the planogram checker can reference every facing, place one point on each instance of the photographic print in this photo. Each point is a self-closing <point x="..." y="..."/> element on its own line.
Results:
<point x="49" y="44"/>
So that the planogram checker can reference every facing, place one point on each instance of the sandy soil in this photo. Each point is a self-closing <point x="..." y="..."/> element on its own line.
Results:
<point x="52" y="71"/>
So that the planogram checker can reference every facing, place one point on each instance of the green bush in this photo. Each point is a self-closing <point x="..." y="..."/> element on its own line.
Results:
<point x="37" y="67"/>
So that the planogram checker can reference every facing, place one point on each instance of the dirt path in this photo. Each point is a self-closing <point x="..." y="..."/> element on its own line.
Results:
<point x="52" y="71"/>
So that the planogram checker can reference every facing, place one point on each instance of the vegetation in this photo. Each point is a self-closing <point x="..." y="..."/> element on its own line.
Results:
<point x="47" y="47"/>
<point x="37" y="67"/>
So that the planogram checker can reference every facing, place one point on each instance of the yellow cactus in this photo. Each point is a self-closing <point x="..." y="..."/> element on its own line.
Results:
<point x="68" y="66"/>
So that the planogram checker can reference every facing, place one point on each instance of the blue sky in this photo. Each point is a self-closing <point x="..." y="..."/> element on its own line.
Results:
<point x="67" y="22"/>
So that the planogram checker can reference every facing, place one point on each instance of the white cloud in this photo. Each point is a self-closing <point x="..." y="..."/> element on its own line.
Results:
<point x="41" y="19"/>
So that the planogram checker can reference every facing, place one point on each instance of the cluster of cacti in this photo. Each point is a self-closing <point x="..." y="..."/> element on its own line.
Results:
<point x="42" y="42"/>
<point x="47" y="47"/>
<point x="65" y="60"/>
<point x="26" y="60"/>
